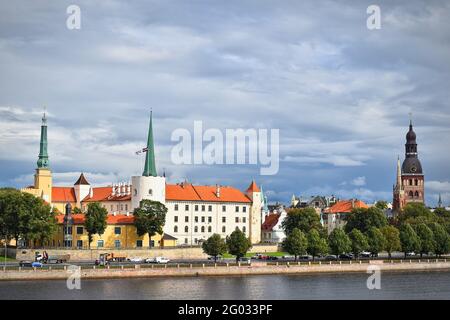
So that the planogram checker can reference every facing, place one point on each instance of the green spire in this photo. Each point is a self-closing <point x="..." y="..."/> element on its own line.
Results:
<point x="43" y="154"/>
<point x="150" y="167"/>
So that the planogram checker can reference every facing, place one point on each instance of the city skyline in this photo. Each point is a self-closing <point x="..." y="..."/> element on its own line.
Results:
<point x="340" y="95"/>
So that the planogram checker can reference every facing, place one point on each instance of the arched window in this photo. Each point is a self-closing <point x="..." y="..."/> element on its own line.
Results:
<point x="411" y="194"/>
<point x="186" y="229"/>
<point x="416" y="182"/>
<point x="417" y="194"/>
<point x="175" y="229"/>
<point x="410" y="182"/>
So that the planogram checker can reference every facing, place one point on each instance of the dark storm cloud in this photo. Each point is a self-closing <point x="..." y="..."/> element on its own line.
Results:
<point x="339" y="93"/>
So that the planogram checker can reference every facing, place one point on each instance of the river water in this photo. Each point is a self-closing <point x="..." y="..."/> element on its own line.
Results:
<point x="394" y="285"/>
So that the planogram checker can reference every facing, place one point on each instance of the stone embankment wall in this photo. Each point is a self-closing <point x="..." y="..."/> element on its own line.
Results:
<point x="170" y="253"/>
<point x="254" y="269"/>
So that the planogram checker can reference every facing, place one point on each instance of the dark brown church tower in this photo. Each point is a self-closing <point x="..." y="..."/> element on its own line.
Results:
<point x="410" y="185"/>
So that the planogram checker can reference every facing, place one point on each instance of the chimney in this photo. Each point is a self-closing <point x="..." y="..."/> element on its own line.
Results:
<point x="217" y="191"/>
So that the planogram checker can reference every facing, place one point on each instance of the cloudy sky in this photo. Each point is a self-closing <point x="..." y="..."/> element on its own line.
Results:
<point x="339" y="93"/>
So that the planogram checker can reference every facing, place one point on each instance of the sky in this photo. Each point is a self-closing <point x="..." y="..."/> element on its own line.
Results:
<point x="339" y="93"/>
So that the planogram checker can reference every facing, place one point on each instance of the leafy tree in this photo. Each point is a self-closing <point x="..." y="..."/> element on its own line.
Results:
<point x="363" y="219"/>
<point x="238" y="244"/>
<point x="426" y="238"/>
<point x="339" y="242"/>
<point x="12" y="213"/>
<point x="95" y="220"/>
<point x="150" y="218"/>
<point x="441" y="239"/>
<point x="214" y="246"/>
<point x="409" y="239"/>
<point x="296" y="243"/>
<point x="392" y="239"/>
<point x="382" y="205"/>
<point x="317" y="245"/>
<point x="77" y="210"/>
<point x="376" y="240"/>
<point x="359" y="242"/>
<point x="303" y="219"/>
<point x="416" y="213"/>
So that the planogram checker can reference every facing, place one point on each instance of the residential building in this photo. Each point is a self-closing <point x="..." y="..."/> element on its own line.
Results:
<point x="336" y="215"/>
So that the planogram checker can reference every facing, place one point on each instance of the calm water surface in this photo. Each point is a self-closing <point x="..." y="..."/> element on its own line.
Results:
<point x="399" y="285"/>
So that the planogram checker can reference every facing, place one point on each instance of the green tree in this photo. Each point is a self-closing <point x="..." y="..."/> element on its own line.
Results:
<point x="295" y="243"/>
<point x="359" y="242"/>
<point x="441" y="239"/>
<point x="339" y="242"/>
<point x="76" y="210"/>
<point x="238" y="244"/>
<point x="303" y="219"/>
<point x="409" y="239"/>
<point x="95" y="220"/>
<point x="150" y="218"/>
<point x="392" y="239"/>
<point x="382" y="205"/>
<point x="363" y="219"/>
<point x="375" y="240"/>
<point x="426" y="237"/>
<point x="317" y="245"/>
<point x="214" y="246"/>
<point x="416" y="213"/>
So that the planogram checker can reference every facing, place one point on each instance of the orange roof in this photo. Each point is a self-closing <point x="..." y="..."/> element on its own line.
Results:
<point x="253" y="187"/>
<point x="105" y="194"/>
<point x="63" y="194"/>
<point x="346" y="206"/>
<point x="111" y="219"/>
<point x="270" y="221"/>
<point x="189" y="192"/>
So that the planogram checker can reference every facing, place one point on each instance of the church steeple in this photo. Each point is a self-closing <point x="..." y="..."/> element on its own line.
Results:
<point x="43" y="154"/>
<point x="150" y="167"/>
<point x="440" y="201"/>
<point x="399" y="174"/>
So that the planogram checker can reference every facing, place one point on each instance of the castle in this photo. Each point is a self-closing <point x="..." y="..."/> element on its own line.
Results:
<point x="194" y="212"/>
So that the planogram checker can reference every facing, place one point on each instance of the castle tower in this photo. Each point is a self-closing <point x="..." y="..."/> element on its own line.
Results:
<point x="411" y="182"/>
<point x="254" y="193"/>
<point x="43" y="175"/>
<point x="148" y="186"/>
<point x="82" y="189"/>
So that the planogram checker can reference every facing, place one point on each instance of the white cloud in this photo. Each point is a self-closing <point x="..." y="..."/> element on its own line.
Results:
<point x="359" y="181"/>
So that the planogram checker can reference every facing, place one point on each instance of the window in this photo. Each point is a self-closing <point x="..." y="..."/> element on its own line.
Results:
<point x="416" y="182"/>
<point x="152" y="243"/>
<point x="139" y="243"/>
<point x="117" y="230"/>
<point x="68" y="230"/>
<point x="185" y="240"/>
<point x="203" y="207"/>
<point x="203" y="228"/>
<point x="203" y="219"/>
<point x="410" y="182"/>
<point x="175" y="219"/>
<point x="224" y="208"/>
<point x="186" y="229"/>
<point x="209" y="219"/>
<point x="244" y="209"/>
<point x="196" y="207"/>
<point x="244" y="219"/>
<point x="175" y="229"/>
<point x="417" y="194"/>
<point x="196" y="219"/>
<point x="195" y="229"/>
<point x="79" y="230"/>
<point x="121" y="207"/>
<point x="116" y="243"/>
<point x="186" y="207"/>
<point x="176" y="207"/>
<point x="224" y="219"/>
<point x="237" y="209"/>
<point x="100" y="243"/>
<point x="209" y="208"/>
<point x="209" y="229"/>
<point x="150" y="192"/>
<point x="112" y="208"/>
<point x="411" y="194"/>
<point x="79" y="243"/>
<point x="244" y="229"/>
<point x="135" y="192"/>
<point x="224" y="229"/>
<point x="237" y="219"/>
<point x="186" y="219"/>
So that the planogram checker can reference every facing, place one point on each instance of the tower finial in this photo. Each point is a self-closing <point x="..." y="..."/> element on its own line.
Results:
<point x="410" y="119"/>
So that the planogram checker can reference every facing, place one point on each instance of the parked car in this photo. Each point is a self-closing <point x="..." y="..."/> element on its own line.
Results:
<point x="365" y="254"/>
<point x="159" y="260"/>
<point x="410" y="254"/>
<point x="245" y="260"/>
<point x="331" y="257"/>
<point x="346" y="256"/>
<point x="37" y="264"/>
<point x="218" y="258"/>
<point x="136" y="260"/>
<point x="305" y="257"/>
<point x="25" y="263"/>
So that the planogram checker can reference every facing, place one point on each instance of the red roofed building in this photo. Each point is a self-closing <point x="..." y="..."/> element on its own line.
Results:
<point x="272" y="230"/>
<point x="336" y="215"/>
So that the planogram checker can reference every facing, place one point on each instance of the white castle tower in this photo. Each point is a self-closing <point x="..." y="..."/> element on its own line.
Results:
<point x="148" y="186"/>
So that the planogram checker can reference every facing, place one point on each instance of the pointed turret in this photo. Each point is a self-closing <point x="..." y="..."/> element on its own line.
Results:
<point x="150" y="167"/>
<point x="399" y="174"/>
<point x="43" y="154"/>
<point x="440" y="201"/>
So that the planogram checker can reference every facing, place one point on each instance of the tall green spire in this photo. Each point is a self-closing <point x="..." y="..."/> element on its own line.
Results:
<point x="43" y="154"/>
<point x="150" y="167"/>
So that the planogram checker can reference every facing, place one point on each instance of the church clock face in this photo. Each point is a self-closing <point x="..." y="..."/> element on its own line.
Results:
<point x="413" y="169"/>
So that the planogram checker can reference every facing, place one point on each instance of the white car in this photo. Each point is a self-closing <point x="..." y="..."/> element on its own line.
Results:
<point x="365" y="254"/>
<point x="161" y="260"/>
<point x="410" y="254"/>
<point x="136" y="259"/>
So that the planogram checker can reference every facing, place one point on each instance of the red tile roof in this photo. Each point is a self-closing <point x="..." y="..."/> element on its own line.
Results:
<point x="253" y="187"/>
<point x="270" y="221"/>
<point x="111" y="219"/>
<point x="346" y="206"/>
<point x="189" y="192"/>
<point x="105" y="194"/>
<point x="81" y="180"/>
<point x="63" y="194"/>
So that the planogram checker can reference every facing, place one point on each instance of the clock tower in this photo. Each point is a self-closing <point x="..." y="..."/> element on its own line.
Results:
<point x="410" y="185"/>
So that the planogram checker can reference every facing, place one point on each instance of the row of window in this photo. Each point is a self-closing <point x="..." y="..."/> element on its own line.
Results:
<point x="203" y="208"/>
<point x="202" y="229"/>
<point x="80" y="230"/>
<point x="414" y="194"/>
<point x="410" y="182"/>
<point x="203" y="219"/>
